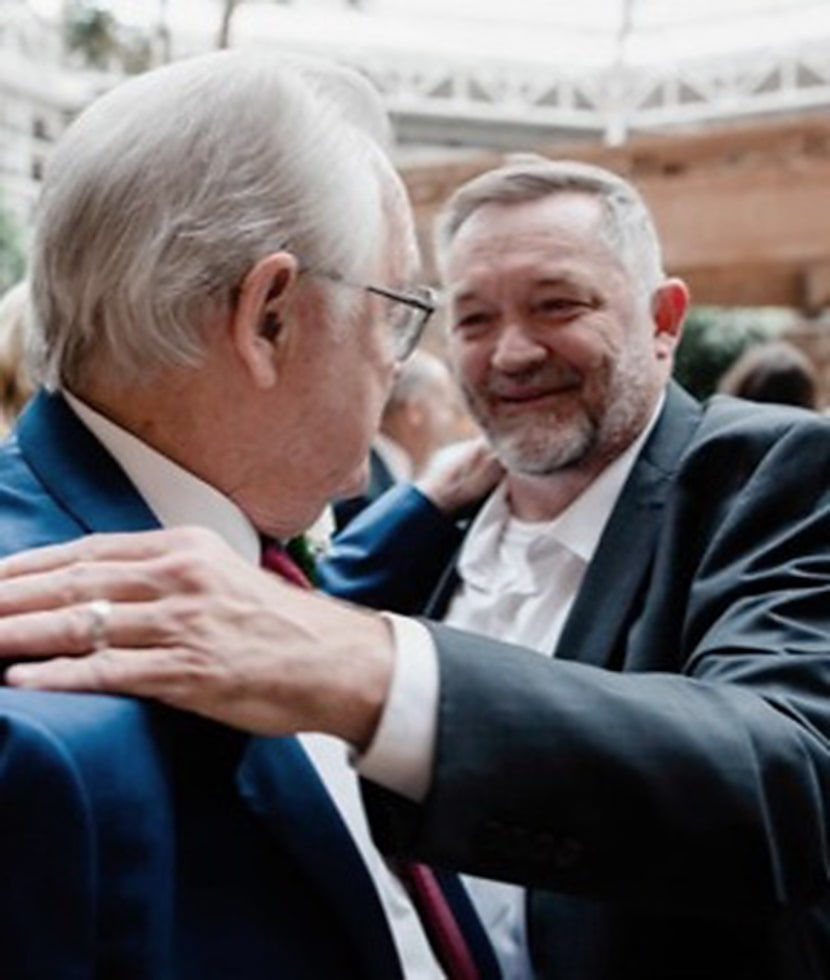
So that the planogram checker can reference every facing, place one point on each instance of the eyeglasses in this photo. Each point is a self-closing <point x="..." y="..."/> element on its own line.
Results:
<point x="412" y="311"/>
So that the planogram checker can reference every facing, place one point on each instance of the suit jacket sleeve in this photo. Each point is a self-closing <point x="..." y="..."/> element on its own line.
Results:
<point x="391" y="554"/>
<point x="699" y="776"/>
<point x="47" y="931"/>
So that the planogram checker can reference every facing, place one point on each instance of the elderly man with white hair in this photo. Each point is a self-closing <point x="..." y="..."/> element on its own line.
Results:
<point x="222" y="290"/>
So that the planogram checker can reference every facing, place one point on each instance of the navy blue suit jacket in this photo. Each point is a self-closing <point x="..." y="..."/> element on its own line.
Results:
<point x="140" y="843"/>
<point x="663" y="783"/>
<point x="380" y="480"/>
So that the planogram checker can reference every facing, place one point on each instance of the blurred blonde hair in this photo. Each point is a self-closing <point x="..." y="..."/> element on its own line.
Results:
<point x="16" y="386"/>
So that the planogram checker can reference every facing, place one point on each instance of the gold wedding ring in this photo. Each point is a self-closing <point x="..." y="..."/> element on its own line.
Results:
<point x="99" y="611"/>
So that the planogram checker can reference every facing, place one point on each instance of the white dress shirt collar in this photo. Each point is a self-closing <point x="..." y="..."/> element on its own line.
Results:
<point x="175" y="496"/>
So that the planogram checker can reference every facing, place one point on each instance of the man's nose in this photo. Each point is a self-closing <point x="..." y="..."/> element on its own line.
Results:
<point x="517" y="349"/>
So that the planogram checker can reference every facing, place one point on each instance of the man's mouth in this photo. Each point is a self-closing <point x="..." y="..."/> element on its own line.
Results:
<point x="530" y="395"/>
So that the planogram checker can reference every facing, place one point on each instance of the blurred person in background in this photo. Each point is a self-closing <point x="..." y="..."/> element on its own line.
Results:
<point x="422" y="415"/>
<point x="775" y="371"/>
<point x="16" y="386"/>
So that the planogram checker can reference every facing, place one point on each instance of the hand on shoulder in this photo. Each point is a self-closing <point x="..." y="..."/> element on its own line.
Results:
<point x="461" y="475"/>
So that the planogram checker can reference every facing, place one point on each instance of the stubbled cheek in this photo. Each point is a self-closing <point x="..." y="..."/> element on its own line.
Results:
<point x="467" y="364"/>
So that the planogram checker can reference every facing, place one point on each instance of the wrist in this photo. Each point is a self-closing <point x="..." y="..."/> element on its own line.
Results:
<point x="352" y="695"/>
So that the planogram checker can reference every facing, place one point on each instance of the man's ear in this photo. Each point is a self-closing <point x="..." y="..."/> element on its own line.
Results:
<point x="258" y="321"/>
<point x="668" y="310"/>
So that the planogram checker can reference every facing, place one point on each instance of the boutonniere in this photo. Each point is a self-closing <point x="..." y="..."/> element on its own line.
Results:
<point x="312" y="546"/>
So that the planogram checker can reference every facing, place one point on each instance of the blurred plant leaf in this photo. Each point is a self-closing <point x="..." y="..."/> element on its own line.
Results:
<point x="713" y="337"/>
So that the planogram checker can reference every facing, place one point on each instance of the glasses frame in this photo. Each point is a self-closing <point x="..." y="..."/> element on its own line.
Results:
<point x="423" y="304"/>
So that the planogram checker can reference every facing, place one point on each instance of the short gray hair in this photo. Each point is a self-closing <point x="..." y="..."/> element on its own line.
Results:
<point x="627" y="225"/>
<point x="167" y="190"/>
<point x="418" y="374"/>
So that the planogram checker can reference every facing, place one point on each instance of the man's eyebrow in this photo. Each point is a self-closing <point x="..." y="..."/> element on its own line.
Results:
<point x="568" y="281"/>
<point x="466" y="294"/>
<point x="449" y="295"/>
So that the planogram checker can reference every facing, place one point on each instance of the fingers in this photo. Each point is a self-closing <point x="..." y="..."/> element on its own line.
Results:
<point x="94" y="548"/>
<point x="52" y="589"/>
<point x="142" y="673"/>
<point x="121" y="568"/>
<point x="173" y="677"/>
<point x="75" y="630"/>
<point x="471" y="473"/>
<point x="488" y="471"/>
<point x="262" y="656"/>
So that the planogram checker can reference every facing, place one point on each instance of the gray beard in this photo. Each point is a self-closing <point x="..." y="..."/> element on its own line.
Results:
<point x="547" y="450"/>
<point x="544" y="447"/>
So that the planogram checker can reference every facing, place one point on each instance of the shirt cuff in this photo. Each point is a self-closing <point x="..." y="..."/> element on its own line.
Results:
<point x="400" y="756"/>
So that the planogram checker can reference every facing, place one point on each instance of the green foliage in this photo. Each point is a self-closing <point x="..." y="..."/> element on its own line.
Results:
<point x="12" y="254"/>
<point x="714" y="337"/>
<point x="136" y="54"/>
<point x="92" y="31"/>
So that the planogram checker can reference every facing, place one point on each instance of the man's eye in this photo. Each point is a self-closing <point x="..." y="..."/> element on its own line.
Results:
<point x="557" y="306"/>
<point x="471" y="320"/>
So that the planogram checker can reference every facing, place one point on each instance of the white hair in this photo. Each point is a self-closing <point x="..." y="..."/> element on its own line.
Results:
<point x="167" y="190"/>
<point x="627" y="226"/>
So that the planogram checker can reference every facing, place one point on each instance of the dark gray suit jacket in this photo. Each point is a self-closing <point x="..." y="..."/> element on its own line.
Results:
<point x="663" y="783"/>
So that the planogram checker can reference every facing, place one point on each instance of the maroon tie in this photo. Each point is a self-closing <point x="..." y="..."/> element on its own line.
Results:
<point x="276" y="559"/>
<point x="439" y="922"/>
<point x="442" y="929"/>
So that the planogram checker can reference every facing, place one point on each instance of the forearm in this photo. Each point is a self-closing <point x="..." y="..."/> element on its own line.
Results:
<point x="392" y="554"/>
<point x="662" y="787"/>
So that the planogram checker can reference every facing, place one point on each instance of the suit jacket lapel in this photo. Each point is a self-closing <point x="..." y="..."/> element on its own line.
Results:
<point x="618" y="573"/>
<point x="436" y="607"/>
<point x="280" y="785"/>
<point x="77" y="471"/>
